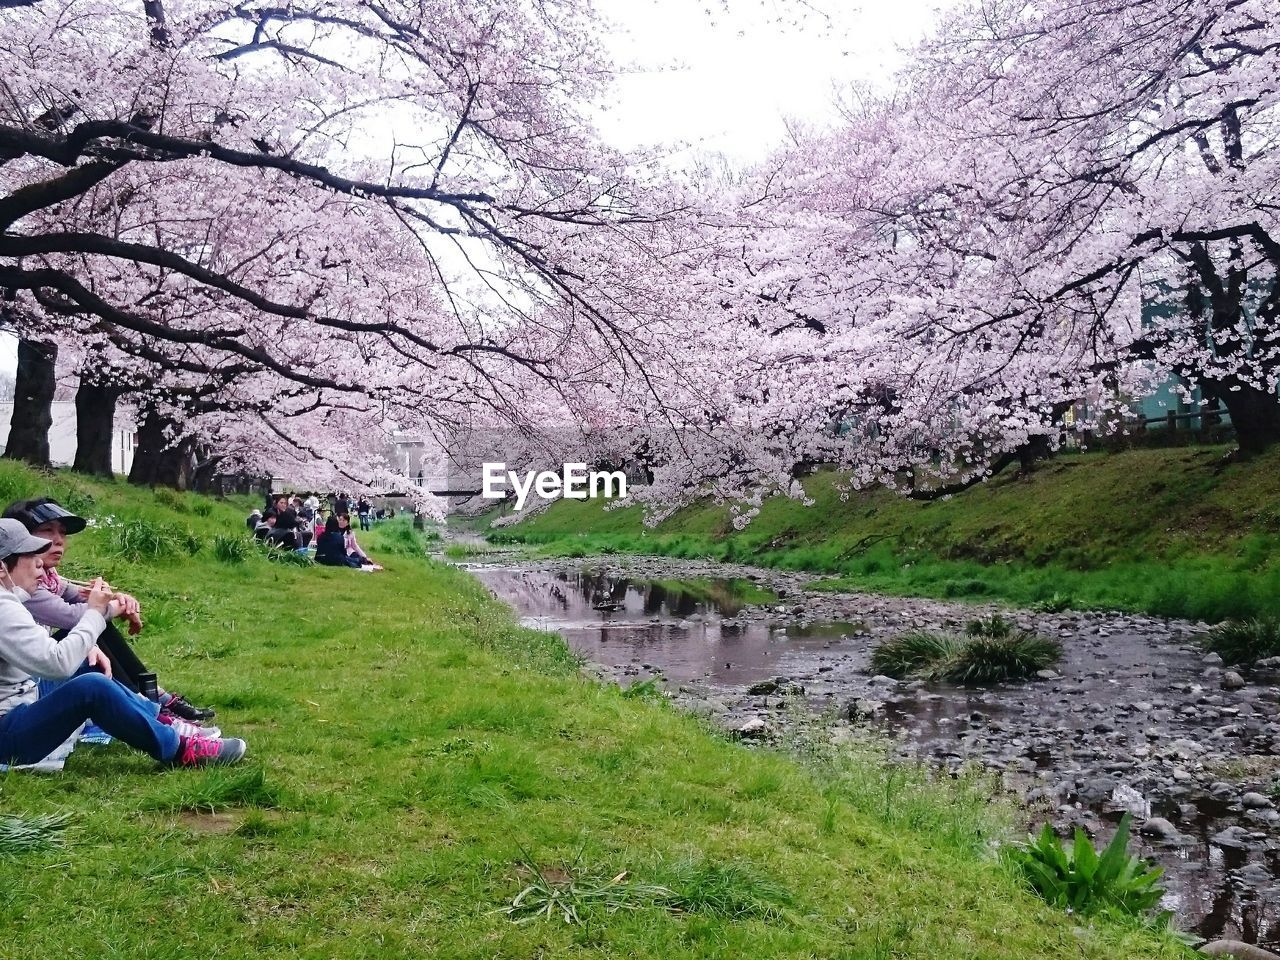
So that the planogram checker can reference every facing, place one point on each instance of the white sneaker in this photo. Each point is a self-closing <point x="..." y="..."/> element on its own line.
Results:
<point x="184" y="728"/>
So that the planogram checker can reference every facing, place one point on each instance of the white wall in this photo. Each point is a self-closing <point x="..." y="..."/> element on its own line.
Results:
<point x="62" y="437"/>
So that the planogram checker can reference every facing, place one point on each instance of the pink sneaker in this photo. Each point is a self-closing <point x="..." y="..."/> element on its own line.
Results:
<point x="206" y="752"/>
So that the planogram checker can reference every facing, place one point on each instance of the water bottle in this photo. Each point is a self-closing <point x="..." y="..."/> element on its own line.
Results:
<point x="148" y="687"/>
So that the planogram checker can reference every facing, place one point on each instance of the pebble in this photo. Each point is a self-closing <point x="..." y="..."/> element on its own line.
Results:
<point x="1159" y="828"/>
<point x="753" y="728"/>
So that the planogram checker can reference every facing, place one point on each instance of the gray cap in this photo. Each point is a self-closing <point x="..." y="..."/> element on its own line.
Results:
<point x="14" y="539"/>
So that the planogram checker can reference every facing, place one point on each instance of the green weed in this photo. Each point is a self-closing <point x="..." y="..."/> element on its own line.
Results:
<point x="1079" y="878"/>
<point x="230" y="548"/>
<point x="284" y="557"/>
<point x="1056" y="603"/>
<point x="1244" y="641"/>
<point x="139" y="540"/>
<point x="24" y="834"/>
<point x="977" y="658"/>
<point x="734" y="891"/>
<point x="994" y="627"/>
<point x="562" y="895"/>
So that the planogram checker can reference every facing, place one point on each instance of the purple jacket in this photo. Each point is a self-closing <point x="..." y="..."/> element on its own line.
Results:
<point x="61" y="611"/>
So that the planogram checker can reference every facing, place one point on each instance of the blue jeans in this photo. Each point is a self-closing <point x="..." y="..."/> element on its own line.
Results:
<point x="30" y="732"/>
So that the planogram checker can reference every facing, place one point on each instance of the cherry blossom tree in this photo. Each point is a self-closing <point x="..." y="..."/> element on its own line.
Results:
<point x="381" y="205"/>
<point x="924" y="293"/>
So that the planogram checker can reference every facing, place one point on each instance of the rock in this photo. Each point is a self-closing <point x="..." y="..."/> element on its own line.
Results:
<point x="1211" y="660"/>
<point x="763" y="688"/>
<point x="1097" y="790"/>
<point x="1237" y="949"/>
<point x="1252" y="875"/>
<point x="1183" y="749"/>
<point x="880" y="680"/>
<point x="1256" y="801"/>
<point x="1160" y="828"/>
<point x="1232" y="681"/>
<point x="752" y="729"/>
<point x="1048" y="675"/>
<point x="1128" y="799"/>
<point x="1235" y="836"/>
<point x="864" y="708"/>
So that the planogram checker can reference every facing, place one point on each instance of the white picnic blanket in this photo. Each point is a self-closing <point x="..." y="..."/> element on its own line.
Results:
<point x="55" y="761"/>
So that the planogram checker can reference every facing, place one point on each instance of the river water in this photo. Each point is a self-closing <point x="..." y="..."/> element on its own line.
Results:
<point x="1133" y="718"/>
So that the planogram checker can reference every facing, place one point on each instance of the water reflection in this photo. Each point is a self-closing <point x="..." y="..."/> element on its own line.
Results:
<point x="688" y="630"/>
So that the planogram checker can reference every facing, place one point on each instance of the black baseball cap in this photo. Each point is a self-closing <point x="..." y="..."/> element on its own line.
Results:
<point x="33" y="513"/>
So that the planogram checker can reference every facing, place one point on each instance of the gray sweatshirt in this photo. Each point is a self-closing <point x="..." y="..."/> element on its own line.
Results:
<point x="27" y="651"/>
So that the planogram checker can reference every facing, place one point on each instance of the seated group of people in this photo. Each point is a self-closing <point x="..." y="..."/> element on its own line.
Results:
<point x="293" y="523"/>
<point x="55" y="629"/>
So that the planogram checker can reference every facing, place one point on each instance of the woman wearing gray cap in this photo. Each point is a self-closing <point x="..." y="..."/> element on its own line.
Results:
<point x="31" y="727"/>
<point x="57" y="604"/>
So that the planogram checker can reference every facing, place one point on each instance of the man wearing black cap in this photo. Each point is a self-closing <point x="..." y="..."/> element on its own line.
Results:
<point x="59" y="605"/>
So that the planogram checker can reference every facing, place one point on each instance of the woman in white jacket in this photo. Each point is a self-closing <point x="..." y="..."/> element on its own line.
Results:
<point x="32" y="727"/>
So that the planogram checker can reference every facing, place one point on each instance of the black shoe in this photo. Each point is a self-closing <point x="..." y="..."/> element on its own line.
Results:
<point x="176" y="704"/>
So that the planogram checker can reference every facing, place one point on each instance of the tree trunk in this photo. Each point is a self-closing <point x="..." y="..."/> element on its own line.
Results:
<point x="1255" y="415"/>
<point x="32" y="403"/>
<point x="95" y="427"/>
<point x="205" y="476"/>
<point x="158" y="462"/>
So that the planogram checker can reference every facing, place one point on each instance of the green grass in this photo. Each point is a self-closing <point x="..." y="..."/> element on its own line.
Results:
<point x="413" y="752"/>
<point x="1244" y="641"/>
<point x="19" y="835"/>
<point x="1172" y="532"/>
<point x="975" y="658"/>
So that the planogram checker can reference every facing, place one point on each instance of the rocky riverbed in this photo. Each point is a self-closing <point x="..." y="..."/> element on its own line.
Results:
<point x="1134" y="718"/>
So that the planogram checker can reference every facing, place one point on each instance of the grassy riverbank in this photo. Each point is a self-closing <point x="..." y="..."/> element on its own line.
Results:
<point x="413" y="753"/>
<point x="1163" y="531"/>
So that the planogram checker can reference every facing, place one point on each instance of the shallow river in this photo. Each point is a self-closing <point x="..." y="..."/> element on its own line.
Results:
<point x="1133" y="719"/>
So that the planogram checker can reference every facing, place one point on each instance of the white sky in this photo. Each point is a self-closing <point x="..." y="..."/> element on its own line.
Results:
<point x="703" y="80"/>
<point x="726" y="83"/>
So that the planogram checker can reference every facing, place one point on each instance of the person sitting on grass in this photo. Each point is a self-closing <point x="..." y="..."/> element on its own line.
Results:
<point x="353" y="548"/>
<point x="285" y="532"/>
<point x="57" y="604"/>
<point x="331" y="546"/>
<point x="264" y="528"/>
<point x="32" y="726"/>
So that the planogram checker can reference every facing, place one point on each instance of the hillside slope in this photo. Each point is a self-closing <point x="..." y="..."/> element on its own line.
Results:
<point x="1166" y="531"/>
